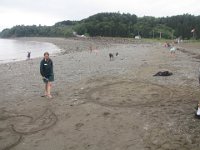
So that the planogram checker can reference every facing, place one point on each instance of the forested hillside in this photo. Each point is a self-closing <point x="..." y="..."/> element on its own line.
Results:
<point x="115" y="25"/>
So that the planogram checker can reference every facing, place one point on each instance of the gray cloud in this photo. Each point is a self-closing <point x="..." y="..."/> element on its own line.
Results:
<point x="47" y="12"/>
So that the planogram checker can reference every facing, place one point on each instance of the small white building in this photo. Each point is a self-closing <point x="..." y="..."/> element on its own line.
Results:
<point x="137" y="37"/>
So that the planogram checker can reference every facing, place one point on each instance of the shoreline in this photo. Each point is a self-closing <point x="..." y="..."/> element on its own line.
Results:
<point x="68" y="45"/>
<point x="18" y="49"/>
<point x="71" y="45"/>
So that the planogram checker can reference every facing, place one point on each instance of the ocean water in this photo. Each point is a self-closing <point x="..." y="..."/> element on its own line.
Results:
<point x="15" y="50"/>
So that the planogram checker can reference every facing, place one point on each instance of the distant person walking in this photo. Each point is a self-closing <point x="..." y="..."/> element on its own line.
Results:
<point x="46" y="70"/>
<point x="90" y="49"/>
<point x="29" y="55"/>
<point x="199" y="76"/>
<point x="172" y="51"/>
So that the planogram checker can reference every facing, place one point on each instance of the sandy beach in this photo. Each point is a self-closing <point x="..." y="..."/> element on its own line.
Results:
<point x="100" y="104"/>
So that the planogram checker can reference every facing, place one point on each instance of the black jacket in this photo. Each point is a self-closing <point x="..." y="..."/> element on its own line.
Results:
<point x="46" y="68"/>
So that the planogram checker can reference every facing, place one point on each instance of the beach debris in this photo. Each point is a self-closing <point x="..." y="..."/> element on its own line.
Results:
<point x="163" y="73"/>
<point x="146" y="127"/>
<point x="79" y="125"/>
<point x="76" y="102"/>
<point x="106" y="113"/>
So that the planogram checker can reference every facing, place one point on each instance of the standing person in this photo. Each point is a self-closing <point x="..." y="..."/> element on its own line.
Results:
<point x="28" y="55"/>
<point x="46" y="70"/>
<point x="90" y="48"/>
<point x="172" y="51"/>
<point x="199" y="76"/>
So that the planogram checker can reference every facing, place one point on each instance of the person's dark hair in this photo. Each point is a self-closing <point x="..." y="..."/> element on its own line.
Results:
<point x="46" y="53"/>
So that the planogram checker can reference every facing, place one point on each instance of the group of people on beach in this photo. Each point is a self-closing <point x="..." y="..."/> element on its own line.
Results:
<point x="172" y="52"/>
<point x="46" y="71"/>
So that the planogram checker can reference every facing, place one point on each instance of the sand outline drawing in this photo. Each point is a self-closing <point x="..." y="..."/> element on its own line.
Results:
<point x="44" y="121"/>
<point x="93" y="95"/>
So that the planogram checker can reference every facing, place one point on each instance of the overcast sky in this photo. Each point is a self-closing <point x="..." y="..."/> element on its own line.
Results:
<point x="48" y="12"/>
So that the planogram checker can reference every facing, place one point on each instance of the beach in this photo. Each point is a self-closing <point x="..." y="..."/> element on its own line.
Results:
<point x="100" y="104"/>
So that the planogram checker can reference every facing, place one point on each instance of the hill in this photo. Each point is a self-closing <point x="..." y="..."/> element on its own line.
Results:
<point x="115" y="25"/>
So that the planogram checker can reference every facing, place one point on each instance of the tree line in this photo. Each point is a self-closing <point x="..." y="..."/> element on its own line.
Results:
<point x="115" y="25"/>
<point x="37" y="31"/>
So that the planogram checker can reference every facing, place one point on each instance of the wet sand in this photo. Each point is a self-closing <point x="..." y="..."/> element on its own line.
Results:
<point x="100" y="104"/>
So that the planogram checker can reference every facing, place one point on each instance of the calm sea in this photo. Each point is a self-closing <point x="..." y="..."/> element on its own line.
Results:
<point x="15" y="50"/>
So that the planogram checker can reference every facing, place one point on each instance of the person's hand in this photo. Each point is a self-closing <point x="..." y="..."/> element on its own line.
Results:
<point x="45" y="79"/>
